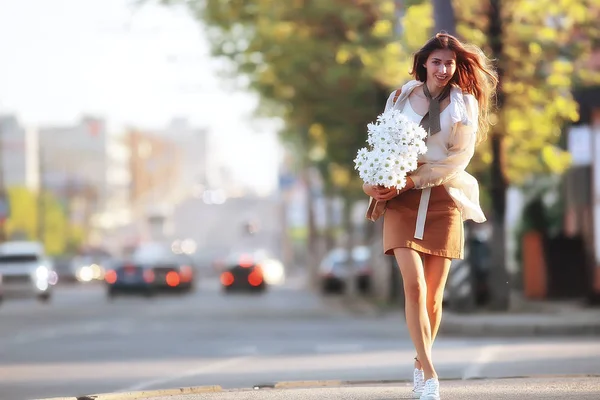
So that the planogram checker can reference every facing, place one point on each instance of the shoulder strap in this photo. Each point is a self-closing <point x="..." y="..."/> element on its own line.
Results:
<point x="397" y="94"/>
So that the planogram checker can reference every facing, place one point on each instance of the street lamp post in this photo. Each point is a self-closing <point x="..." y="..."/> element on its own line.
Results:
<point x="40" y="199"/>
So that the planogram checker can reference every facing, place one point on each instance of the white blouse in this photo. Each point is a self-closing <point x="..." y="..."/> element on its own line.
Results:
<point x="448" y="151"/>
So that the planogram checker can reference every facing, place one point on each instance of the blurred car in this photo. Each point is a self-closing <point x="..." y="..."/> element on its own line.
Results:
<point x="150" y="273"/>
<point x="62" y="266"/>
<point x="87" y="269"/>
<point x="335" y="269"/>
<point x="243" y="273"/>
<point x="468" y="279"/>
<point x="272" y="268"/>
<point x="26" y="270"/>
<point x="90" y="265"/>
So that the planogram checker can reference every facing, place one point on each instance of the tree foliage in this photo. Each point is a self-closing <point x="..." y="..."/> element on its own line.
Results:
<point x="23" y="222"/>
<point x="327" y="66"/>
<point x="545" y="44"/>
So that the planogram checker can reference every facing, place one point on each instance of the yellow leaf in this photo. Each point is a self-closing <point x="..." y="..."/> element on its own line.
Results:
<point x="547" y="34"/>
<point x="486" y="157"/>
<point x="366" y="58"/>
<point x="535" y="48"/>
<point x="339" y="176"/>
<point x="555" y="159"/>
<point x="388" y="7"/>
<point x="382" y="28"/>
<point x="342" y="56"/>
<point x="316" y="132"/>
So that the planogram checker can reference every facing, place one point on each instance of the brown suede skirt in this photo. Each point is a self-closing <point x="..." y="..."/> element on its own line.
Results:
<point x="443" y="234"/>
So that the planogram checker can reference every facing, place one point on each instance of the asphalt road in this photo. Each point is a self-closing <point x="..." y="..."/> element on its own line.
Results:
<point x="82" y="344"/>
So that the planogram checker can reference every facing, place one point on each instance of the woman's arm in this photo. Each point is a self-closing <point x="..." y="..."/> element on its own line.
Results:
<point x="462" y="148"/>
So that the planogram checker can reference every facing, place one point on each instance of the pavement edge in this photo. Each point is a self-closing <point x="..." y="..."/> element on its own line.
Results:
<point x="145" y="394"/>
<point x="457" y="326"/>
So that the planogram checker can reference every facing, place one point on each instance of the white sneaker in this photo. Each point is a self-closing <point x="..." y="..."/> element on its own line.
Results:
<point x="431" y="390"/>
<point x="418" y="383"/>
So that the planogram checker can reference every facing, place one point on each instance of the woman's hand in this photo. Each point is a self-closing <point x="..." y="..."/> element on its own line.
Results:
<point x="381" y="193"/>
<point x="370" y="190"/>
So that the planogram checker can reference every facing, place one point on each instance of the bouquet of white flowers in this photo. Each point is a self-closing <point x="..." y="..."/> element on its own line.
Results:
<point x="396" y="143"/>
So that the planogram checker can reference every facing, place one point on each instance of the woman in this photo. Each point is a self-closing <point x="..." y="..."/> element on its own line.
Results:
<point x="423" y="223"/>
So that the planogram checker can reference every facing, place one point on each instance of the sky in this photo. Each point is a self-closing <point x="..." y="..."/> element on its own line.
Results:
<point x="135" y="66"/>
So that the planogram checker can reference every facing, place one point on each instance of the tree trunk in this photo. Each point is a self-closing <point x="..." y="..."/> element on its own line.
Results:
<point x="310" y="259"/>
<point x="351" y="284"/>
<point x="330" y="223"/>
<point x="443" y="14"/>
<point x="498" y="278"/>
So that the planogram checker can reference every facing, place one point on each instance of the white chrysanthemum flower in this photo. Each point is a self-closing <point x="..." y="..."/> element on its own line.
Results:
<point x="394" y="145"/>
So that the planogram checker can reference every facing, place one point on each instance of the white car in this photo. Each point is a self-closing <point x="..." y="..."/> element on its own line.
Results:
<point x="26" y="270"/>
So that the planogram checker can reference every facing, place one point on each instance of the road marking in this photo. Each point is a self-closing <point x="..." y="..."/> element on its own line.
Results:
<point x="242" y="350"/>
<point x="89" y="328"/>
<point x="486" y="356"/>
<point x="210" y="368"/>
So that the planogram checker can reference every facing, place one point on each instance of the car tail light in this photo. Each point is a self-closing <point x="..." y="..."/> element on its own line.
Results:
<point x="110" y="276"/>
<point x="255" y="278"/>
<point x="149" y="276"/>
<point x="227" y="278"/>
<point x="246" y="261"/>
<point x="186" y="273"/>
<point x="172" y="279"/>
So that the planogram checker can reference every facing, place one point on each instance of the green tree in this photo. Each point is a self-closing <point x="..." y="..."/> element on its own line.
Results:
<point x="23" y="222"/>
<point x="23" y="219"/>
<point x="538" y="46"/>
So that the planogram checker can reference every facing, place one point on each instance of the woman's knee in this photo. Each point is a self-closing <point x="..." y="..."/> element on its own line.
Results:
<point x="415" y="290"/>
<point x="435" y="300"/>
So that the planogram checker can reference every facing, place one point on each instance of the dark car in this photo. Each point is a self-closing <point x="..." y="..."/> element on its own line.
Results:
<point x="242" y="273"/>
<point x="335" y="269"/>
<point x="150" y="276"/>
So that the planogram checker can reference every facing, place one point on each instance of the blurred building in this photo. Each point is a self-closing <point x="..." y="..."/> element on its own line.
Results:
<point x="155" y="166"/>
<point x="73" y="164"/>
<point x="17" y="153"/>
<point x="194" y="154"/>
<point x="155" y="169"/>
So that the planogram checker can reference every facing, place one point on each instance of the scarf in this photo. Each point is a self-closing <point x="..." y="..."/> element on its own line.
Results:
<point x="431" y="120"/>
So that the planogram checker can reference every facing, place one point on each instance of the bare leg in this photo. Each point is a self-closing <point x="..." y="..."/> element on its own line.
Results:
<point x="415" y="292"/>
<point x="436" y="274"/>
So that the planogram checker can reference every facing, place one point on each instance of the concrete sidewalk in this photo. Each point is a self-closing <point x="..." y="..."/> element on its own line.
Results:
<point x="546" y="388"/>
<point x="575" y="323"/>
<point x="526" y="318"/>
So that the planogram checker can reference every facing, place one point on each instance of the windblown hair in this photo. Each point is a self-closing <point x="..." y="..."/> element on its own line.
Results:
<point x="475" y="73"/>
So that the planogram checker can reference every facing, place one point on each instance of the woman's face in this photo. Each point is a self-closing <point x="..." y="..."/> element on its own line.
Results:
<point x="441" y="66"/>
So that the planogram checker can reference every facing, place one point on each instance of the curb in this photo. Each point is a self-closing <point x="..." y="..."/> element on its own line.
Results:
<point x="303" y="384"/>
<point x="459" y="328"/>
<point x="141" y="395"/>
<point x="144" y="395"/>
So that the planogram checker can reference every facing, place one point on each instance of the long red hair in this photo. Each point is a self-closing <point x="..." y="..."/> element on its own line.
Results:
<point x="475" y="73"/>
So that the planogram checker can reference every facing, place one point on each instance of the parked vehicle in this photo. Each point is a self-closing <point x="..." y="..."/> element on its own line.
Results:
<point x="152" y="268"/>
<point x="26" y="270"/>
<point x="335" y="269"/>
<point x="243" y="272"/>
